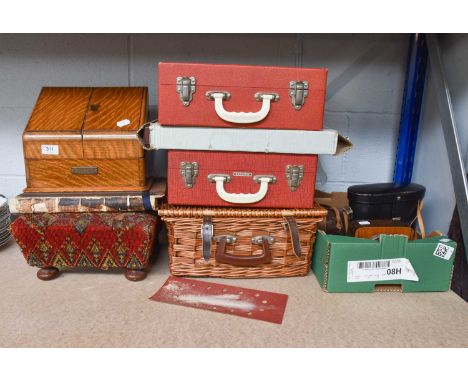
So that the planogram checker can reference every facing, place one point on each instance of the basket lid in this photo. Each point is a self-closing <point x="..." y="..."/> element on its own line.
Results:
<point x="198" y="212"/>
<point x="385" y="193"/>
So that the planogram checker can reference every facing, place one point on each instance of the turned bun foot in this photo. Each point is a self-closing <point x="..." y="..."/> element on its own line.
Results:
<point x="135" y="274"/>
<point x="46" y="274"/>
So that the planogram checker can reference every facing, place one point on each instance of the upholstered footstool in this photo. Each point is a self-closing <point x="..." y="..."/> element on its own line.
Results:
<point x="86" y="240"/>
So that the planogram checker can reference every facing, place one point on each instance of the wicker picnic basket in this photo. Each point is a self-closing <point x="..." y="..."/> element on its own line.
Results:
<point x="240" y="242"/>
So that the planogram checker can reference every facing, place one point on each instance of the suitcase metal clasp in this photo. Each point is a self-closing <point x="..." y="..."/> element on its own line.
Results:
<point x="298" y="90"/>
<point x="185" y="86"/>
<point x="189" y="171"/>
<point x="294" y="175"/>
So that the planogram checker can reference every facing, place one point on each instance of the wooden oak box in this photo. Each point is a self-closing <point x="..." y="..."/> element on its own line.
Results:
<point x="84" y="139"/>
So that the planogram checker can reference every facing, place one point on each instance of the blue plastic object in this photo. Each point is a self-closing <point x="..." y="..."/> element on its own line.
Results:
<point x="411" y="109"/>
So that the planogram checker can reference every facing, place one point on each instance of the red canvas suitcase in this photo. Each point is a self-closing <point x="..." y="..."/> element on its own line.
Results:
<point x="204" y="178"/>
<point x="241" y="96"/>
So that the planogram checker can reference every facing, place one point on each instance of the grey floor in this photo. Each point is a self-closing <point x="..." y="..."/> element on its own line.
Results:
<point x="96" y="309"/>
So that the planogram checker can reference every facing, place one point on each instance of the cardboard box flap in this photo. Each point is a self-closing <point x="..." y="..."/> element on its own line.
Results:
<point x="343" y="145"/>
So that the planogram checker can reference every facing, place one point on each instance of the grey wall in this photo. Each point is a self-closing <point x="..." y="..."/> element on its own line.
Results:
<point x="365" y="84"/>
<point x="431" y="166"/>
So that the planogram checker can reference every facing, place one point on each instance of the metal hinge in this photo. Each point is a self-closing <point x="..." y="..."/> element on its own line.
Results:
<point x="229" y="239"/>
<point x="189" y="171"/>
<point x="185" y="86"/>
<point x="298" y="90"/>
<point x="294" y="175"/>
<point x="259" y="239"/>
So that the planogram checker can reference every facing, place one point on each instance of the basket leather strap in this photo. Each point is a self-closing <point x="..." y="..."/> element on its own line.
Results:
<point x="338" y="217"/>
<point x="294" y="234"/>
<point x="207" y="236"/>
<point x="419" y="219"/>
<point x="347" y="216"/>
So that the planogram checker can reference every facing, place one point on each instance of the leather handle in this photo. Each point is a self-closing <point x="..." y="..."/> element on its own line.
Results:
<point x="294" y="234"/>
<point x="245" y="261"/>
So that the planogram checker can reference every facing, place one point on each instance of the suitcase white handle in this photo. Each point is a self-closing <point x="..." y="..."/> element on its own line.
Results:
<point x="219" y="179"/>
<point x="240" y="116"/>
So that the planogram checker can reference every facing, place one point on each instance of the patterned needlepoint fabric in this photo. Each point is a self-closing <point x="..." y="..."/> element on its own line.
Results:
<point x="86" y="240"/>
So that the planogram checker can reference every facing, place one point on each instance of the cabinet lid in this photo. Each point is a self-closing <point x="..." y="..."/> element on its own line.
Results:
<point x="116" y="109"/>
<point x="59" y="109"/>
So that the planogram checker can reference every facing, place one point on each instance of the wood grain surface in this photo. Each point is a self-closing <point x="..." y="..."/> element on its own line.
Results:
<point x="82" y="122"/>
<point x="112" y="149"/>
<point x="68" y="149"/>
<point x="116" y="174"/>
<point x="111" y="105"/>
<point x="60" y="109"/>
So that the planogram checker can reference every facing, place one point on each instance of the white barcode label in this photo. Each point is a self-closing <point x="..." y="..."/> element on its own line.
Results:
<point x="49" y="149"/>
<point x="381" y="270"/>
<point x="443" y="251"/>
<point x="373" y="264"/>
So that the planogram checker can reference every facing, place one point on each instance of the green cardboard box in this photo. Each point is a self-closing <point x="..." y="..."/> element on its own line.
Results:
<point x="348" y="264"/>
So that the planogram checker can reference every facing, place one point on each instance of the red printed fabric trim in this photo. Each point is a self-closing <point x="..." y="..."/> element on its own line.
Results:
<point x="87" y="240"/>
